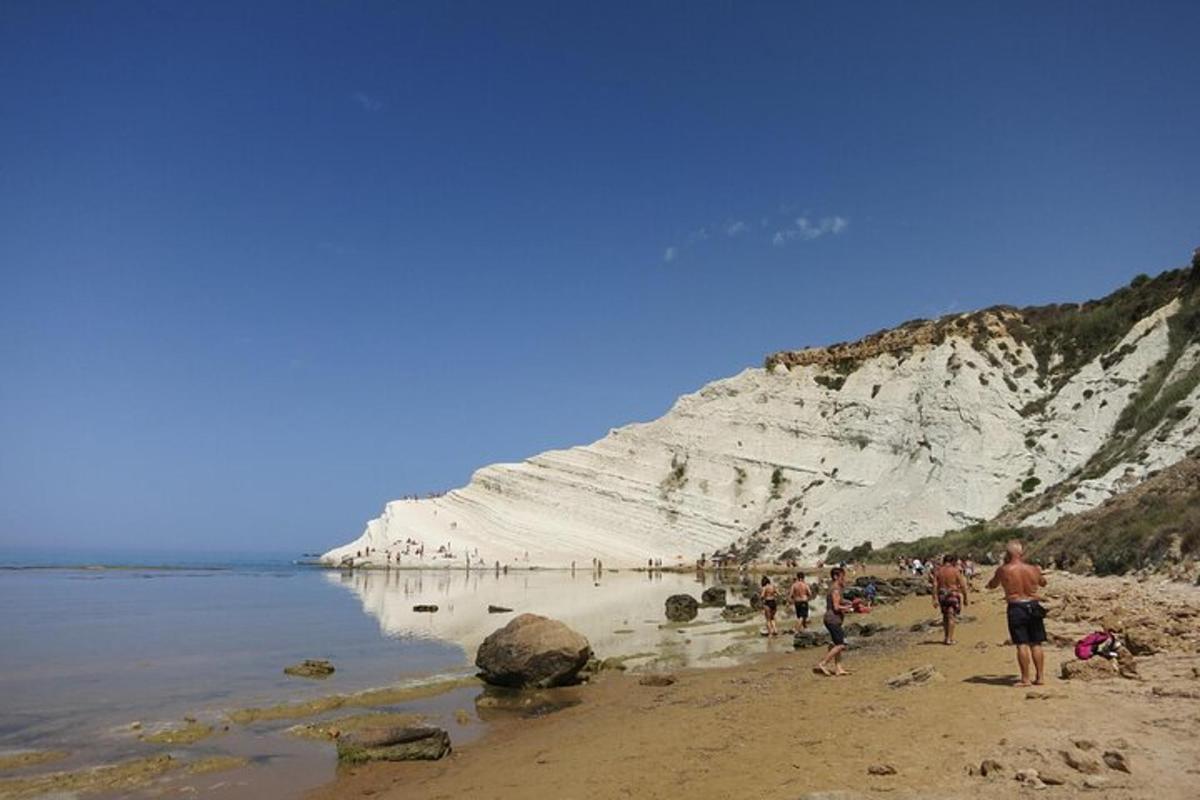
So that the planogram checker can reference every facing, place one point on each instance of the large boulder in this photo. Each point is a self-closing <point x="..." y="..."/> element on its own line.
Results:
<point x="393" y="744"/>
<point x="681" y="608"/>
<point x="532" y="651"/>
<point x="713" y="596"/>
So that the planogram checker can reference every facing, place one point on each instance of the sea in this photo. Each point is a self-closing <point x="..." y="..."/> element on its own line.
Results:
<point x="98" y="649"/>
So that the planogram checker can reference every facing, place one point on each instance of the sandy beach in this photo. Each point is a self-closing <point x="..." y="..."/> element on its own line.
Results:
<point x="775" y="727"/>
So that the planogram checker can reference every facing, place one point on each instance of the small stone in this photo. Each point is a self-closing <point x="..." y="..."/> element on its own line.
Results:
<point x="1084" y="744"/>
<point x="881" y="769"/>
<point x="657" y="679"/>
<point x="1095" y="782"/>
<point x="1115" y="759"/>
<point x="499" y="610"/>
<point x="425" y="608"/>
<point x="1080" y="763"/>
<point x="1051" y="778"/>
<point x="915" y="677"/>
<point x="1030" y="778"/>
<point x="990" y="766"/>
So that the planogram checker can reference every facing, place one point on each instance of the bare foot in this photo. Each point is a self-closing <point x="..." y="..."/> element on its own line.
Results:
<point x="821" y="669"/>
<point x="1039" y="682"/>
<point x="1022" y="684"/>
<point x="842" y="672"/>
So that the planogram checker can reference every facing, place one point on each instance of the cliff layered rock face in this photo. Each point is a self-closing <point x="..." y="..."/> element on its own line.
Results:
<point x="1018" y="414"/>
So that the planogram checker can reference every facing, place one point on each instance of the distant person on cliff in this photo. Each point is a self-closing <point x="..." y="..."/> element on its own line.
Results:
<point x="770" y="602"/>
<point x="798" y="596"/>
<point x="1022" y="584"/>
<point x="949" y="595"/>
<point x="835" y="610"/>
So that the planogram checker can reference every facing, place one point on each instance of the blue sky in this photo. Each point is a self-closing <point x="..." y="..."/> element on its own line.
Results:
<point x="265" y="266"/>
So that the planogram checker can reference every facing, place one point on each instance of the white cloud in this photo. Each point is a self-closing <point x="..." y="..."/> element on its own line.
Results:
<point x="806" y="230"/>
<point x="779" y="229"/>
<point x="368" y="103"/>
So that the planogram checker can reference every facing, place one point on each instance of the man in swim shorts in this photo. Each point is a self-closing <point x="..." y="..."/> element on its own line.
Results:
<point x="949" y="595"/>
<point x="799" y="595"/>
<point x="835" y="610"/>
<point x="1022" y="584"/>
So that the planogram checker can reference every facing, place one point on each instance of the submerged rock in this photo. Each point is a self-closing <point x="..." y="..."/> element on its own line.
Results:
<point x="713" y="596"/>
<point x="532" y="651"/>
<point x="310" y="668"/>
<point x="738" y="612"/>
<point x="866" y="629"/>
<point x="496" y="703"/>
<point x="682" y="608"/>
<point x="804" y="639"/>
<point x="393" y="744"/>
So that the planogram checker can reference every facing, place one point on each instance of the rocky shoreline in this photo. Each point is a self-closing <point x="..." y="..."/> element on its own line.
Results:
<point x="917" y="717"/>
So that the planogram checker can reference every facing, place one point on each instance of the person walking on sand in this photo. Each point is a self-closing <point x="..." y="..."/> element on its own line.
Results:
<point x="949" y="595"/>
<point x="798" y="596"/>
<point x="835" y="611"/>
<point x="1022" y="583"/>
<point x="770" y="602"/>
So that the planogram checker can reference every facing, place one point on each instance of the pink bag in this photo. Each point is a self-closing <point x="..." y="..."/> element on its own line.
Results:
<point x="1086" y="647"/>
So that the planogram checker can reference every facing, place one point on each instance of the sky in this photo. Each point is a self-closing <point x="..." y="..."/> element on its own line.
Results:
<point x="265" y="266"/>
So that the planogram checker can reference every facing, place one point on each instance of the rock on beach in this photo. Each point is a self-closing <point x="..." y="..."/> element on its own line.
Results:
<point x="532" y="651"/>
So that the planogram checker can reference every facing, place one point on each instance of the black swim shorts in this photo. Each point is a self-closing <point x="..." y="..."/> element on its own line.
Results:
<point x="836" y="633"/>
<point x="1025" y="623"/>
<point x="802" y="609"/>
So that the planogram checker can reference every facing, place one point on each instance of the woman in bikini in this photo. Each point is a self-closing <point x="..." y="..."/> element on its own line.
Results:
<point x="770" y="603"/>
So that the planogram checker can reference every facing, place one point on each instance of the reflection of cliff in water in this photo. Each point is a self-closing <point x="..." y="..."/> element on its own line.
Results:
<point x="619" y="613"/>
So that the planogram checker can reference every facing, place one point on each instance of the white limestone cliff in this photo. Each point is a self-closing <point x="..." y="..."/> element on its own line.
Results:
<point x="929" y="427"/>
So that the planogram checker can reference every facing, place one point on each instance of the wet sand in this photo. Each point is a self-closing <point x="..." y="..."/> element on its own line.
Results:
<point x="774" y="727"/>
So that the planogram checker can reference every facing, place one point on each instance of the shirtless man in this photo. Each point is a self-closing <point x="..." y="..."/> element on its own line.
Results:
<point x="799" y="595"/>
<point x="1022" y="583"/>
<point x="836" y="609"/>
<point x="949" y="595"/>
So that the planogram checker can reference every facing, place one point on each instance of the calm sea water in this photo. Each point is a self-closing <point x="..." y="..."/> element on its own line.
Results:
<point x="91" y="645"/>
